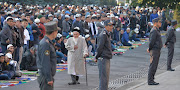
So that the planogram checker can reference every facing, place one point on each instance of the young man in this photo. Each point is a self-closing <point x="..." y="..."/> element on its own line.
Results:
<point x="104" y="52"/>
<point x="46" y="57"/>
<point x="155" y="45"/>
<point x="9" y="66"/>
<point x="2" y="75"/>
<point x="26" y="34"/>
<point x="77" y="51"/>
<point x="170" y="41"/>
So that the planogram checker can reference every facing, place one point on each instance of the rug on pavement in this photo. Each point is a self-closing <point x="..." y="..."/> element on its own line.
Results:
<point x="27" y="76"/>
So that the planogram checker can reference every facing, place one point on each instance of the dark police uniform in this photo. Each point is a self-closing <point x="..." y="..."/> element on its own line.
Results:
<point x="170" y="41"/>
<point x="46" y="63"/>
<point x="155" y="46"/>
<point x="105" y="52"/>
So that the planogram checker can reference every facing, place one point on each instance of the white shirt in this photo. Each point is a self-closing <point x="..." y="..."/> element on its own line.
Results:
<point x="26" y="36"/>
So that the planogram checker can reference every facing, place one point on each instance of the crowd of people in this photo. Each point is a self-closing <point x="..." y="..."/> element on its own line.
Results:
<point x="22" y="28"/>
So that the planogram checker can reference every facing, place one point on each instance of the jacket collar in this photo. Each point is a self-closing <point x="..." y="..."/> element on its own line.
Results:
<point x="46" y="38"/>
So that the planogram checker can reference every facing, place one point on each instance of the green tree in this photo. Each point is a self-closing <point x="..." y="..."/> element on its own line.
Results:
<point x="160" y="3"/>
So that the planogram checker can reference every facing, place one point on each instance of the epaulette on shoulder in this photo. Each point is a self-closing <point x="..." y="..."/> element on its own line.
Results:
<point x="104" y="32"/>
<point x="47" y="40"/>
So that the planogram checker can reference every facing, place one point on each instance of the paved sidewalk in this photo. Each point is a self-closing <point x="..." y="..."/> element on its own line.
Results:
<point x="168" y="81"/>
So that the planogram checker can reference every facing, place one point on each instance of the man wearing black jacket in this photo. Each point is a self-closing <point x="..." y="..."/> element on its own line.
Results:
<point x="170" y="41"/>
<point x="155" y="45"/>
<point x="104" y="54"/>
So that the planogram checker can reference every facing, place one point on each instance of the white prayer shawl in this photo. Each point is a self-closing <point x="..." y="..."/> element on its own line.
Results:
<point x="76" y="65"/>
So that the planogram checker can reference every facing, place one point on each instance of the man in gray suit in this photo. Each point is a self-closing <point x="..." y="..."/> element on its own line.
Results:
<point x="104" y="54"/>
<point x="46" y="58"/>
<point x="6" y="34"/>
<point x="170" y="41"/>
<point x="155" y="45"/>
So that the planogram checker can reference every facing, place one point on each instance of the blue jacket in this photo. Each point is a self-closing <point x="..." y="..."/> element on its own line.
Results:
<point x="29" y="28"/>
<point x="125" y="37"/>
<point x="153" y="16"/>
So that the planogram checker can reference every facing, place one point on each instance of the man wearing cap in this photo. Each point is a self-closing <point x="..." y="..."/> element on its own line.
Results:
<point x="155" y="45"/>
<point x="6" y="34"/>
<point x="36" y="31"/>
<point x="66" y="26"/>
<point x="77" y="51"/>
<point x="46" y="58"/>
<point x="78" y="23"/>
<point x="104" y="54"/>
<point x="50" y="17"/>
<point x="170" y="41"/>
<point x="41" y="26"/>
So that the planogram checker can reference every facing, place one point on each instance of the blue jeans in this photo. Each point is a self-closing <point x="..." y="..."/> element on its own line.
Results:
<point x="104" y="69"/>
<point x="26" y="47"/>
<point x="134" y="38"/>
<point x="4" y="77"/>
<point x="61" y="55"/>
<point x="10" y="74"/>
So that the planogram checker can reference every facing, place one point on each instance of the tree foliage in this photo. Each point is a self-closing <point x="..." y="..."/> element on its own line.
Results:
<point x="160" y="3"/>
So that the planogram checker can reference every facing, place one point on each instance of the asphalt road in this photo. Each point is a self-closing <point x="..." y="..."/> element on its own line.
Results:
<point x="130" y="62"/>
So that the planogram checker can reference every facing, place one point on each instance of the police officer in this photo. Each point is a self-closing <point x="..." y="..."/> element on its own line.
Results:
<point x="170" y="41"/>
<point x="155" y="45"/>
<point x="104" y="54"/>
<point x="46" y="58"/>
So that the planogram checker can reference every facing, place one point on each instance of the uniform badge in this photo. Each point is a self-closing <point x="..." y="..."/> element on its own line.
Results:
<point x="47" y="52"/>
<point x="104" y="32"/>
<point x="47" y="41"/>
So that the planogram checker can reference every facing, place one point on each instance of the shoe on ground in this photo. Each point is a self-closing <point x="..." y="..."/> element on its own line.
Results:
<point x="153" y="83"/>
<point x="72" y="83"/>
<point x="170" y="69"/>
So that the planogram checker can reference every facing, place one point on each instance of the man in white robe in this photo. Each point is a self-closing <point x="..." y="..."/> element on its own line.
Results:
<point x="77" y="51"/>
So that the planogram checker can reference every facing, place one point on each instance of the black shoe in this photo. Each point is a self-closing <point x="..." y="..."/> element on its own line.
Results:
<point x="72" y="83"/>
<point x="170" y="69"/>
<point x="153" y="83"/>
<point x="77" y="82"/>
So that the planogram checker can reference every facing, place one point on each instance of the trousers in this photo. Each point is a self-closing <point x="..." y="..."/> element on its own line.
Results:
<point x="170" y="47"/>
<point x="104" y="70"/>
<point x="155" y="54"/>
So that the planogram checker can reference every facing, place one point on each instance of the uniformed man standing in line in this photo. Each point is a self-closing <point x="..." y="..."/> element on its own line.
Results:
<point x="170" y="41"/>
<point x="46" y="58"/>
<point x="104" y="54"/>
<point x="155" y="45"/>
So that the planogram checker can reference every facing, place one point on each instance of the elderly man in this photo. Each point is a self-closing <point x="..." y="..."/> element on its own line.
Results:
<point x="77" y="51"/>
<point x="104" y="52"/>
<point x="46" y="57"/>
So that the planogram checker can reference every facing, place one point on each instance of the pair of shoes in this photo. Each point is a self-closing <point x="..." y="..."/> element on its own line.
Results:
<point x="72" y="83"/>
<point x="153" y="83"/>
<point x="171" y="69"/>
